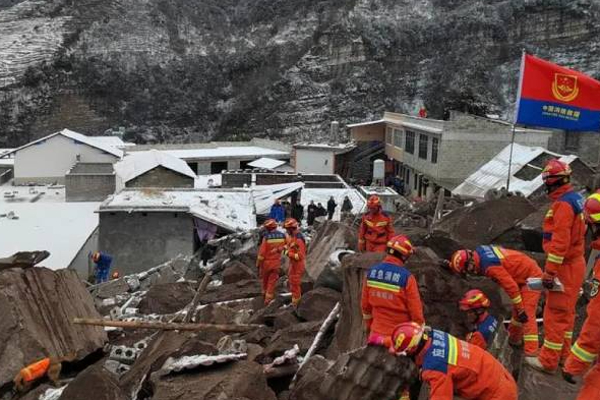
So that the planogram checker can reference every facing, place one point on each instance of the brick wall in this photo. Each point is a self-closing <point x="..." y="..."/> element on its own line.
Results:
<point x="88" y="187"/>
<point x="163" y="178"/>
<point x="139" y="241"/>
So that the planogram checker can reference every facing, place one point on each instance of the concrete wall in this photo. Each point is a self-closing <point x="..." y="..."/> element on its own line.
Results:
<point x="310" y="161"/>
<point x="161" y="177"/>
<point x="394" y="147"/>
<point x="82" y="263"/>
<point x="139" y="241"/>
<point x="588" y="145"/>
<point x="89" y="187"/>
<point x="49" y="161"/>
<point x="203" y="168"/>
<point x="368" y="133"/>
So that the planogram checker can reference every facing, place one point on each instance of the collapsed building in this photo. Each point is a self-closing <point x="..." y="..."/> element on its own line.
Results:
<point x="182" y="330"/>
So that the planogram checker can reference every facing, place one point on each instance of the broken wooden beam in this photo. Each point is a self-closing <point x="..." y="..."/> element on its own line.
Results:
<point x="165" y="326"/>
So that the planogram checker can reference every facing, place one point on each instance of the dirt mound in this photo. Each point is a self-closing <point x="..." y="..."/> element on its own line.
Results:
<point x="317" y="304"/>
<point x="242" y="379"/>
<point x="330" y="237"/>
<point x="167" y="298"/>
<point x="237" y="271"/>
<point x="38" y="306"/>
<point x="482" y="223"/>
<point x="95" y="382"/>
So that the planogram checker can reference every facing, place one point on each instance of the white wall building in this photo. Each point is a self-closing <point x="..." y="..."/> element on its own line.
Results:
<point x="318" y="158"/>
<point x="48" y="159"/>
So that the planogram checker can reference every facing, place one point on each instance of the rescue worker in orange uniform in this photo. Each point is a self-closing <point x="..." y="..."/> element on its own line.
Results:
<point x="269" y="258"/>
<point x="587" y="347"/>
<point x="563" y="233"/>
<point x="451" y="366"/>
<point x="390" y="294"/>
<point x="375" y="229"/>
<point x="510" y="269"/>
<point x="476" y="304"/>
<point x="296" y="252"/>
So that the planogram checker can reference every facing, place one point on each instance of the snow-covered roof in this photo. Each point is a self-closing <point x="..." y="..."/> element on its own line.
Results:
<point x="231" y="209"/>
<point x="265" y="195"/>
<point x="378" y="190"/>
<point x="336" y="148"/>
<point x="323" y="195"/>
<point x="58" y="227"/>
<point x="493" y="174"/>
<point x="366" y="123"/>
<point x="136" y="164"/>
<point x="113" y="141"/>
<point x="225" y="152"/>
<point x="89" y="140"/>
<point x="266" y="163"/>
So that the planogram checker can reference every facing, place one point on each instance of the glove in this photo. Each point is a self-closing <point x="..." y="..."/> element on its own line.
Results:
<point x="444" y="264"/>
<point x="569" y="378"/>
<point x="522" y="316"/>
<point x="548" y="280"/>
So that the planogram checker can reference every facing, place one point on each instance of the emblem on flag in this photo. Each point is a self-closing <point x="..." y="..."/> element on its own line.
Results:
<point x="565" y="87"/>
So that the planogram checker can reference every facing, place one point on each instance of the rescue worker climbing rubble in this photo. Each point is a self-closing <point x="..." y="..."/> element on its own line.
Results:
<point x="563" y="241"/>
<point x="296" y="253"/>
<point x="375" y="228"/>
<point x="451" y="366"/>
<point x="510" y="269"/>
<point x="584" y="352"/>
<point x="269" y="258"/>
<point x="476" y="304"/>
<point x="390" y="294"/>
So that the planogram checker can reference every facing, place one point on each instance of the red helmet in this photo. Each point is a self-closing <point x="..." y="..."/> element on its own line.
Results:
<point x="474" y="299"/>
<point x="373" y="202"/>
<point x="461" y="260"/>
<point x="556" y="171"/>
<point x="290" y="223"/>
<point x="407" y="337"/>
<point x="591" y="208"/>
<point x="399" y="246"/>
<point x="270" y="224"/>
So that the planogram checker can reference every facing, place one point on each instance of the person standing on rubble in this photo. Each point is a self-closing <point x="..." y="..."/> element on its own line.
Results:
<point x="375" y="229"/>
<point x="390" y="294"/>
<point x="510" y="269"/>
<point x="277" y="212"/>
<point x="269" y="258"/>
<point x="476" y="304"/>
<point x="331" y="206"/>
<point x="102" y="269"/>
<point x="564" y="244"/>
<point x="451" y="366"/>
<point x="584" y="352"/>
<point x="296" y="253"/>
<point x="311" y="211"/>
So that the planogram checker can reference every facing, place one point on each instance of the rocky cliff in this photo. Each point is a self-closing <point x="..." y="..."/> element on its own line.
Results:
<point x="190" y="70"/>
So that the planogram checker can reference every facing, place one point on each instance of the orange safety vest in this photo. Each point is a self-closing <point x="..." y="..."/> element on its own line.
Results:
<point x="36" y="370"/>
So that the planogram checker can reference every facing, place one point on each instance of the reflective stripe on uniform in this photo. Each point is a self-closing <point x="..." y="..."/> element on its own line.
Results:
<point x="384" y="286"/>
<point x="514" y="322"/>
<point x="568" y="335"/>
<point x="582" y="354"/>
<point x="367" y="316"/>
<point x="382" y="223"/>
<point x="550" y="214"/>
<point x="517" y="299"/>
<point x="452" y="350"/>
<point x="369" y="223"/>
<point x="553" y="258"/>
<point x="530" y="338"/>
<point x="275" y="240"/>
<point x="552" y="346"/>
<point x="498" y="252"/>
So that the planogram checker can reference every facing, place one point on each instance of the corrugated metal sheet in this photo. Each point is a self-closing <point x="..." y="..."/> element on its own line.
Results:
<point x="493" y="174"/>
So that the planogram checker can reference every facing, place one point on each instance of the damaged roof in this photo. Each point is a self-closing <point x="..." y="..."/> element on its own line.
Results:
<point x="526" y="175"/>
<point x="136" y="164"/>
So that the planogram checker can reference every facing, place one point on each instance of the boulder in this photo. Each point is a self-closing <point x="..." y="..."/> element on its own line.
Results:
<point x="309" y="378"/>
<point x="236" y="271"/>
<point x="233" y="291"/>
<point x="260" y="336"/>
<point x="95" y="382"/>
<point x="330" y="236"/>
<point x="239" y="380"/>
<point x="534" y="385"/>
<point x="167" y="298"/>
<point x="38" y="306"/>
<point x="317" y="304"/>
<point x="301" y="334"/>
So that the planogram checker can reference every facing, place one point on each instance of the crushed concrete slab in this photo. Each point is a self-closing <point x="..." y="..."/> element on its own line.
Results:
<point x="95" y="382"/>
<point x="301" y="334"/>
<point x="531" y="229"/>
<point x="236" y="271"/>
<point x="330" y="236"/>
<point x="534" y="385"/>
<point x="167" y="298"/>
<point x="261" y="336"/>
<point x="37" y="307"/>
<point x="201" y="360"/>
<point x="309" y="377"/>
<point x="242" y="379"/>
<point x="23" y="259"/>
<point x="233" y="291"/>
<point x="317" y="304"/>
<point x="111" y="289"/>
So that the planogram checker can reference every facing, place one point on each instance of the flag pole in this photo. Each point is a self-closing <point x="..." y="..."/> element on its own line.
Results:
<point x="514" y="125"/>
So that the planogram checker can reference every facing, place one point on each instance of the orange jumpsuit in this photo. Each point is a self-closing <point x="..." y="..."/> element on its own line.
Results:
<point x="390" y="296"/>
<point x="374" y="232"/>
<point x="36" y="370"/>
<point x="296" y="252"/>
<point x="564" y="230"/>
<point x="483" y="335"/>
<point x="510" y="269"/>
<point x="269" y="262"/>
<point x="587" y="347"/>
<point x="452" y="366"/>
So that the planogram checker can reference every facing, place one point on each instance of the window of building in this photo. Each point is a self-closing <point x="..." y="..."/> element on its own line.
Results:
<point x="398" y="138"/>
<point x="410" y="142"/>
<point x="388" y="136"/>
<point x="434" y="150"/>
<point x="416" y="181"/>
<point x="423" y="146"/>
